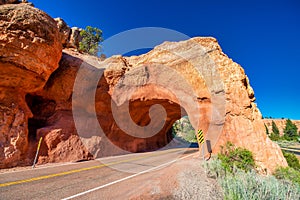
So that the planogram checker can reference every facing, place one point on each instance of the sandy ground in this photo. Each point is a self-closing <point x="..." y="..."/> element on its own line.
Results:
<point x="186" y="180"/>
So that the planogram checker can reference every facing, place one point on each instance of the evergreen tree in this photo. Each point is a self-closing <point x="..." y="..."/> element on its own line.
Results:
<point x="290" y="131"/>
<point x="91" y="38"/>
<point x="275" y="129"/>
<point x="275" y="136"/>
<point x="267" y="130"/>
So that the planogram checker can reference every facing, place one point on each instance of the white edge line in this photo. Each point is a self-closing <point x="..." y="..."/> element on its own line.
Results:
<point x="123" y="179"/>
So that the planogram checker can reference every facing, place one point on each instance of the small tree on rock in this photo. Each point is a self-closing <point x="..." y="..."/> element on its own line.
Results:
<point x="91" y="38"/>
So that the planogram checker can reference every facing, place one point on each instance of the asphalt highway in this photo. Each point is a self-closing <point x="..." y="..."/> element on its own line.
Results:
<point x="117" y="177"/>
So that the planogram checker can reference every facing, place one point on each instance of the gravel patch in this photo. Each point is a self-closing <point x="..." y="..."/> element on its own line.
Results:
<point x="194" y="183"/>
<point x="184" y="180"/>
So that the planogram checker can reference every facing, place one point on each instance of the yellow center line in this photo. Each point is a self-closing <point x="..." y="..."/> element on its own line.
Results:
<point x="80" y="170"/>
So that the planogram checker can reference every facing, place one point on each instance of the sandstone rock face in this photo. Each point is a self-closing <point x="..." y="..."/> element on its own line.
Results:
<point x="52" y="115"/>
<point x="74" y="38"/>
<point x="70" y="37"/>
<point x="9" y="2"/>
<point x="88" y="107"/>
<point x="130" y="87"/>
<point x="280" y="124"/>
<point x="242" y="120"/>
<point x="2" y="2"/>
<point x="29" y="47"/>
<point x="64" y="30"/>
<point x="30" y="52"/>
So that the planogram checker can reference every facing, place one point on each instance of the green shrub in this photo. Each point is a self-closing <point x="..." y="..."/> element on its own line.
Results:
<point x="232" y="156"/>
<point x="292" y="160"/>
<point x="240" y="185"/>
<point x="285" y="143"/>
<point x="288" y="174"/>
<point x="233" y="170"/>
<point x="275" y="137"/>
<point x="250" y="185"/>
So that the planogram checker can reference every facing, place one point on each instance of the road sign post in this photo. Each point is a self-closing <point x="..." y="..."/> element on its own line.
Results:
<point x="37" y="152"/>
<point x="200" y="138"/>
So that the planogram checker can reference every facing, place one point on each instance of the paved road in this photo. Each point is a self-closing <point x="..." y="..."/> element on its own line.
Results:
<point x="292" y="150"/>
<point x="107" y="178"/>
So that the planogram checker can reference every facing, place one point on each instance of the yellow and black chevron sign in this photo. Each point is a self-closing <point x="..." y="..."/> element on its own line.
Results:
<point x="200" y="137"/>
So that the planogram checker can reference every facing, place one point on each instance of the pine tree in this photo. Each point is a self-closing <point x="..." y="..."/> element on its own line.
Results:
<point x="275" y="136"/>
<point x="290" y="131"/>
<point x="275" y="129"/>
<point x="91" y="38"/>
<point x="267" y="130"/>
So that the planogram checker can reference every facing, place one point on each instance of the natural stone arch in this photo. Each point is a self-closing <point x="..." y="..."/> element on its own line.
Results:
<point x="135" y="98"/>
<point x="126" y="75"/>
<point x="32" y="67"/>
<point x="186" y="77"/>
<point x="184" y="74"/>
<point x="240" y="117"/>
<point x="226" y="82"/>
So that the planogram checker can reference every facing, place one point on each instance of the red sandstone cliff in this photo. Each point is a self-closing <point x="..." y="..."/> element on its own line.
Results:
<point x="30" y="52"/>
<point x="192" y="77"/>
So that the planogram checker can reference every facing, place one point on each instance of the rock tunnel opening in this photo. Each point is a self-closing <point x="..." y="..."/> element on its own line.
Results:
<point x="139" y="114"/>
<point x="41" y="109"/>
<point x="183" y="130"/>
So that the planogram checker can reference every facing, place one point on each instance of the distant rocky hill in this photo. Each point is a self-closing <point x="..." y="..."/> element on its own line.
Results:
<point x="280" y="124"/>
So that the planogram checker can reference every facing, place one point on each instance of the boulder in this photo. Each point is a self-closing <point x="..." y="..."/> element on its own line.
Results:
<point x="74" y="38"/>
<point x="29" y="47"/>
<point x="64" y="30"/>
<point x="70" y="37"/>
<point x="30" y="52"/>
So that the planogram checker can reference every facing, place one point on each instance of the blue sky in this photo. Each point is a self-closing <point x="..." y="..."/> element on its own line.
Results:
<point x="262" y="36"/>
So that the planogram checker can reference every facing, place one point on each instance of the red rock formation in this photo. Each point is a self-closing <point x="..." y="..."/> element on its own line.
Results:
<point x="2" y="2"/>
<point x="130" y="85"/>
<point x="30" y="52"/>
<point x="243" y="125"/>
<point x="280" y="124"/>
<point x="130" y="106"/>
<point x="70" y="37"/>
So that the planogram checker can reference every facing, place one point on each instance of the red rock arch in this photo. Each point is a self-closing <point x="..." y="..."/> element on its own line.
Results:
<point x="221" y="99"/>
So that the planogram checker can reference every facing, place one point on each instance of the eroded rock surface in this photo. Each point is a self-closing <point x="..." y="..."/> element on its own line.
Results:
<point x="70" y="37"/>
<point x="134" y="84"/>
<point x="121" y="104"/>
<point x="30" y="52"/>
<point x="2" y="2"/>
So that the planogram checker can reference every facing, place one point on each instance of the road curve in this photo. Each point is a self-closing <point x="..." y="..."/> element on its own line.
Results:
<point x="107" y="178"/>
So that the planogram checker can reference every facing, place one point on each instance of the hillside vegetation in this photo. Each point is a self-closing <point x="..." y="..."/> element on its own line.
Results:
<point x="235" y="171"/>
